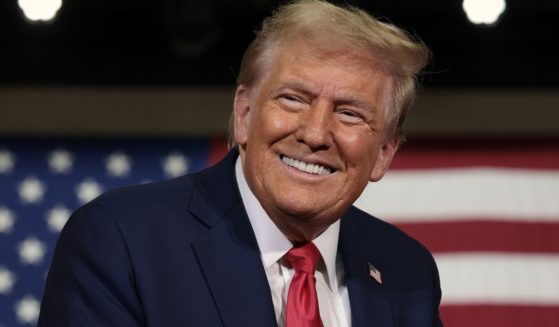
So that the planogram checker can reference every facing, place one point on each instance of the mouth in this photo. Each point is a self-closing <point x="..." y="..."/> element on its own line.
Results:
<point x="307" y="167"/>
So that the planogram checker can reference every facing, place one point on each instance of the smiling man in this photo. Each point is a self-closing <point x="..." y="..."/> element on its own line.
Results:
<point x="268" y="236"/>
<point x="313" y="110"/>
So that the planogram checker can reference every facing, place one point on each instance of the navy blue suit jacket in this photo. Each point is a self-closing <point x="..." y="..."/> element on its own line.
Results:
<point x="183" y="253"/>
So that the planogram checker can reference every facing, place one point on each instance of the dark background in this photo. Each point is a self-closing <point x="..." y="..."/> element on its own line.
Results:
<point x="191" y="43"/>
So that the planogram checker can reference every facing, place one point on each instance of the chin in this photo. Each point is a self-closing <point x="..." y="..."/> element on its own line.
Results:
<point x="304" y="212"/>
<point x="294" y="204"/>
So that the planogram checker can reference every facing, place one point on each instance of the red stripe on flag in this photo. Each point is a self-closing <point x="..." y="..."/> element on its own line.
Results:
<point x="487" y="236"/>
<point x="535" y="154"/>
<point x="218" y="150"/>
<point x="499" y="315"/>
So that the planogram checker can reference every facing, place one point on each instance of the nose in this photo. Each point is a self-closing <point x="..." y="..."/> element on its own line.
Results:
<point x="315" y="126"/>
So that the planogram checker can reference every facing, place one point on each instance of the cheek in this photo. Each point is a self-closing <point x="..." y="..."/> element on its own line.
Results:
<point x="351" y="138"/>
<point x="275" y="123"/>
<point x="358" y="146"/>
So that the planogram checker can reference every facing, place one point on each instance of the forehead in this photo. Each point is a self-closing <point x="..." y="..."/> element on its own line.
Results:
<point x="309" y="49"/>
<point x="334" y="68"/>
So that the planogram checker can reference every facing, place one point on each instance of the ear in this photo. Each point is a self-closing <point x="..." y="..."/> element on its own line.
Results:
<point x="385" y="155"/>
<point x="241" y="112"/>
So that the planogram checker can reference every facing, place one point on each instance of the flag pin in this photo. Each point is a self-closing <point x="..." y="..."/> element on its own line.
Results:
<point x="375" y="273"/>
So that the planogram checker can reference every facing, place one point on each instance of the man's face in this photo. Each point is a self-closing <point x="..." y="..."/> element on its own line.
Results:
<point x="311" y="135"/>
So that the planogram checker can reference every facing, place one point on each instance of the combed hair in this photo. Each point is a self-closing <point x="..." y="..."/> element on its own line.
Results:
<point x="333" y="27"/>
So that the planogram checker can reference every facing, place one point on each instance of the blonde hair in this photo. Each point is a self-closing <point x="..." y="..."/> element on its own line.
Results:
<point x="401" y="56"/>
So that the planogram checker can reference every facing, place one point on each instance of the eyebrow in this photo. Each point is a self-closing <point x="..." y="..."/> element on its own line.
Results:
<point x="355" y="101"/>
<point x="298" y="86"/>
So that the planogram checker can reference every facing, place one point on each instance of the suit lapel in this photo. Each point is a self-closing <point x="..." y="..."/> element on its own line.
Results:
<point x="370" y="305"/>
<point x="230" y="260"/>
<point x="228" y="253"/>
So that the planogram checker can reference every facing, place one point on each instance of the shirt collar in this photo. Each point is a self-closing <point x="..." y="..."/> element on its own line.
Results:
<point x="272" y="242"/>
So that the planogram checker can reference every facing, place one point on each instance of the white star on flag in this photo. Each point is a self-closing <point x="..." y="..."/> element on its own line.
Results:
<point x="6" y="161"/>
<point x="31" y="251"/>
<point x="7" y="280"/>
<point x="60" y="161"/>
<point x="118" y="164"/>
<point x="88" y="190"/>
<point x="27" y="310"/>
<point x="57" y="218"/>
<point x="31" y="190"/>
<point x="43" y="181"/>
<point x="7" y="220"/>
<point x="175" y="164"/>
<point x="375" y="273"/>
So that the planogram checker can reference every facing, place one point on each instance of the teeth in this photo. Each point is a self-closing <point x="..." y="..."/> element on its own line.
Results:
<point x="306" y="167"/>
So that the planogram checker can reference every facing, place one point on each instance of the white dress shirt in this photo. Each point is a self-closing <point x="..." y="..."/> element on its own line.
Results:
<point x="333" y="299"/>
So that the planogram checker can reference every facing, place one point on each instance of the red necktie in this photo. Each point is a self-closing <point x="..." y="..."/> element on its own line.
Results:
<point x="302" y="302"/>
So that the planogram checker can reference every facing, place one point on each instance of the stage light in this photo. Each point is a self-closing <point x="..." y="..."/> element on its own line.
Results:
<point x="485" y="12"/>
<point x="40" y="10"/>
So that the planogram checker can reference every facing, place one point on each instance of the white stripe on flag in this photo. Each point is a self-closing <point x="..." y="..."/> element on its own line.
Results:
<point x="457" y="194"/>
<point x="499" y="278"/>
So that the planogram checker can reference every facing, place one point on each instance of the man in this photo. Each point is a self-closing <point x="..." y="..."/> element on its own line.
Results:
<point x="318" y="110"/>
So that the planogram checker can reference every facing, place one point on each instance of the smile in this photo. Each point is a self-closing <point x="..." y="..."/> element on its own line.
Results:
<point x="306" y="167"/>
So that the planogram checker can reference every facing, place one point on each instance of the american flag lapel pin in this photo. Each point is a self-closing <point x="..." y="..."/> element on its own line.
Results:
<point x="375" y="273"/>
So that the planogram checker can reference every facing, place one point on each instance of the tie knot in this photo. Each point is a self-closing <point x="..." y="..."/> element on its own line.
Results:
<point x="303" y="257"/>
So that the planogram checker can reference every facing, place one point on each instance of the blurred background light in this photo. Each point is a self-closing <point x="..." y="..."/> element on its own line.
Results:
<point x="200" y="43"/>
<point x="485" y="12"/>
<point x="40" y="10"/>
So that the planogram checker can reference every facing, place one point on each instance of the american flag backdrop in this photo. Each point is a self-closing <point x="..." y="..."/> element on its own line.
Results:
<point x="488" y="210"/>
<point x="42" y="182"/>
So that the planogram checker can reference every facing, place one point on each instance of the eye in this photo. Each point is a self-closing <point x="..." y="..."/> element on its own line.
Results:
<point x="350" y="116"/>
<point x="291" y="98"/>
<point x="291" y="102"/>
